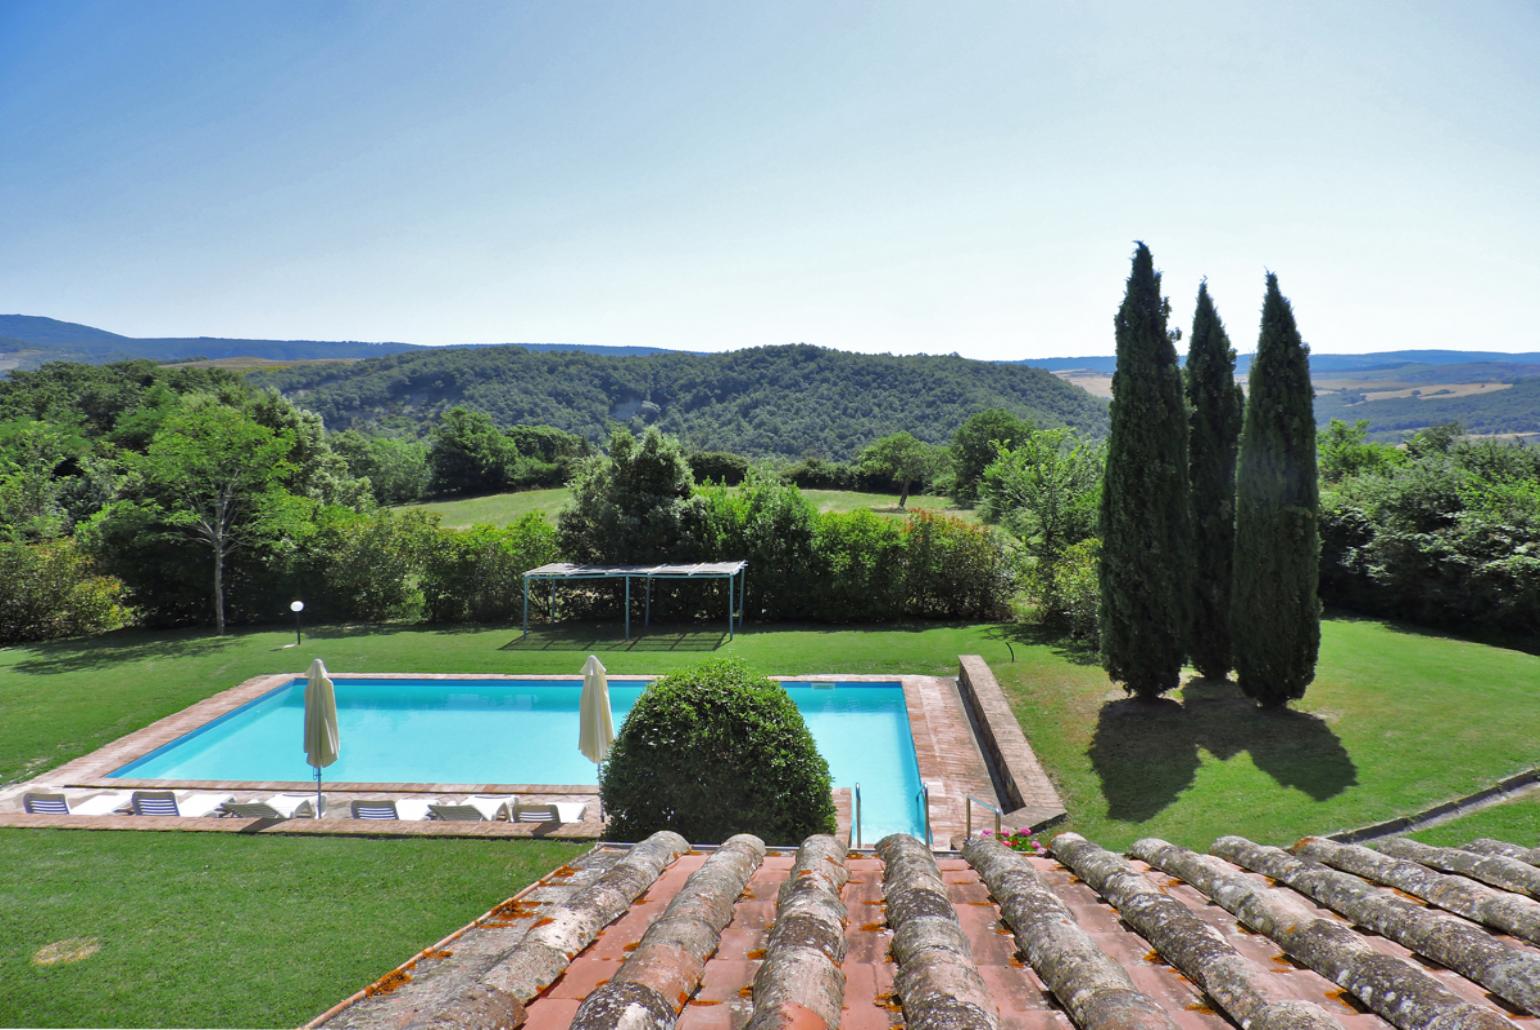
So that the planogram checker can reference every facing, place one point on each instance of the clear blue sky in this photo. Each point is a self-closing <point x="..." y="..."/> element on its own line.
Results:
<point x="874" y="176"/>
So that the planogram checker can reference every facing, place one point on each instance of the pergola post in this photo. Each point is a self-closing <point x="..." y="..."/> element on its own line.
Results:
<point x="526" y="604"/>
<point x="743" y="595"/>
<point x="729" y="607"/>
<point x="628" y="609"/>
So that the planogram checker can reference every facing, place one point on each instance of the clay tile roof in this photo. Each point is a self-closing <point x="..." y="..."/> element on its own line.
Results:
<point x="1322" y="935"/>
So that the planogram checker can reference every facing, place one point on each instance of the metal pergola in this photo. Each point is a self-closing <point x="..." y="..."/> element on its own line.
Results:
<point x="732" y="571"/>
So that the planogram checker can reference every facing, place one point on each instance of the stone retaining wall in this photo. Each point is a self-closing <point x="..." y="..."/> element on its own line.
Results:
<point x="1028" y="790"/>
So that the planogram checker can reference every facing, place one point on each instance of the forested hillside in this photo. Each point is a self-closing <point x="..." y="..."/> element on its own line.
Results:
<point x="793" y="400"/>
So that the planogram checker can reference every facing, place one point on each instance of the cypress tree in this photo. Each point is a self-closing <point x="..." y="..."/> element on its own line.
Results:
<point x="1275" y="617"/>
<point x="1145" y="525"/>
<point x="1214" y="402"/>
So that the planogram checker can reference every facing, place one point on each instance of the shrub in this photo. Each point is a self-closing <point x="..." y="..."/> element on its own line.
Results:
<point x="1070" y="597"/>
<point x="52" y="590"/>
<point x="822" y="474"/>
<point x="477" y="574"/>
<point x="858" y="567"/>
<point x="718" y="467"/>
<point x="714" y="751"/>
<point x="954" y="569"/>
<point x="367" y="568"/>
<point x="770" y="525"/>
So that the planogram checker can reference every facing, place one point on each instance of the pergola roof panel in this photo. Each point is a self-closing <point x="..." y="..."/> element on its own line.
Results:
<point x="698" y="570"/>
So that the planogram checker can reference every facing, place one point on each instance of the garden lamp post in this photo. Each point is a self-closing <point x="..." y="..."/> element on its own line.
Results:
<point x="296" y="607"/>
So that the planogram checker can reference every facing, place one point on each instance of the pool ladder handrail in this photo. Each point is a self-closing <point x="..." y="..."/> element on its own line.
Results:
<point x="856" y="798"/>
<point x="968" y="802"/>
<point x="924" y="795"/>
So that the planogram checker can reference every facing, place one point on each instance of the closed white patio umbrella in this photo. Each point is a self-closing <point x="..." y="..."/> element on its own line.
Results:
<point x="596" y="726"/>
<point x="321" y="744"/>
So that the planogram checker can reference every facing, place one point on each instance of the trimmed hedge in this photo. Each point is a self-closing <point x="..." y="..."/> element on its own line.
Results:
<point x="715" y="751"/>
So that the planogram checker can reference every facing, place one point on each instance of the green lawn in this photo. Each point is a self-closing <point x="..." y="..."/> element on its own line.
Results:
<point x="499" y="509"/>
<point x="1517" y="822"/>
<point x="1396" y="721"/>
<point x="214" y="929"/>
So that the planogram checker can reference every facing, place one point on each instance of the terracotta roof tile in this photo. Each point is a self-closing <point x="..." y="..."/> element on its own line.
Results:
<point x="1328" y="935"/>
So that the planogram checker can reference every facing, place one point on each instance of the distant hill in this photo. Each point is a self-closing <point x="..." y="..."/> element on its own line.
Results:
<point x="1398" y="392"/>
<point x="793" y="400"/>
<point x="27" y="341"/>
<point x="1319" y="363"/>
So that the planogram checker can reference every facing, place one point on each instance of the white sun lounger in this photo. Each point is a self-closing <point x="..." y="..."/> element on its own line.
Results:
<point x="547" y="812"/>
<point x="410" y="809"/>
<point x="41" y="803"/>
<point x="474" y="809"/>
<point x="164" y="802"/>
<point x="279" y="806"/>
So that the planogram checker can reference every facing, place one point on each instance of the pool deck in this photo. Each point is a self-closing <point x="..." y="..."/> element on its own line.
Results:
<point x="952" y="766"/>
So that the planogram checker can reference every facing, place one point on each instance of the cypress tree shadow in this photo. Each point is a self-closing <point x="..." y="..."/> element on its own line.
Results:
<point x="1295" y="748"/>
<point x="1146" y="752"/>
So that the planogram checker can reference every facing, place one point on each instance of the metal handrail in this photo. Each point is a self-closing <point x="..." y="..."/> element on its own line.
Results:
<point x="968" y="803"/>
<point x="857" y="820"/>
<point x="924" y="795"/>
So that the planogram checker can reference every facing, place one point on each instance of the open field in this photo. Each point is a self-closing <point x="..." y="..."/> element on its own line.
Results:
<point x="499" y="509"/>
<point x="215" y="929"/>
<point x="496" y="509"/>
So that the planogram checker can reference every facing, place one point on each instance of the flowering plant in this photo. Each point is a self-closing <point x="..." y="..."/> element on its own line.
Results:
<point x="1021" y="839"/>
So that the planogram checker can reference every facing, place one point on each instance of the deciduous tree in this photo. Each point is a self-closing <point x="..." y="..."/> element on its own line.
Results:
<point x="215" y="475"/>
<point x="902" y="458"/>
<point x="976" y="444"/>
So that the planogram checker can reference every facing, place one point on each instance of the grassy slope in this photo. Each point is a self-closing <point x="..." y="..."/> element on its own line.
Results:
<point x="1517" y="822"/>
<point x="499" y="509"/>
<point x="224" y="930"/>
<point x="1396" y="720"/>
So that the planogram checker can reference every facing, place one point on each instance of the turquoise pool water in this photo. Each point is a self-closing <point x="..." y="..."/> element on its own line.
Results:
<point x="521" y="731"/>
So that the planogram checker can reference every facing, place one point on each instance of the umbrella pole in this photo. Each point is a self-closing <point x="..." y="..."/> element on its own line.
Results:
<point x="600" y="795"/>
<point x="318" y="792"/>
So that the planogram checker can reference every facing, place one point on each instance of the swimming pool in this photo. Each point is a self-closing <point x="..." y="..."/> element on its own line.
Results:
<point x="476" y="731"/>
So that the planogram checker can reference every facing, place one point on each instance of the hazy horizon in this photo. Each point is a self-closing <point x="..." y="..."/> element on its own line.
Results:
<point x="869" y="178"/>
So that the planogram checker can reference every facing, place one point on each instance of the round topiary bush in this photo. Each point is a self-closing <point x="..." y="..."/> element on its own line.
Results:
<point x="715" y="751"/>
